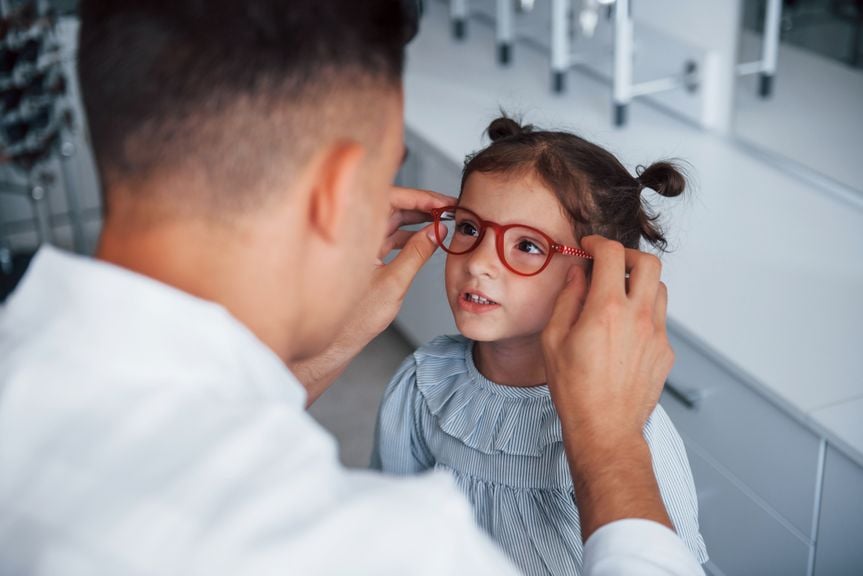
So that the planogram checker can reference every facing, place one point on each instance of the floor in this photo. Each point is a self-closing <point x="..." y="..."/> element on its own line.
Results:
<point x="349" y="408"/>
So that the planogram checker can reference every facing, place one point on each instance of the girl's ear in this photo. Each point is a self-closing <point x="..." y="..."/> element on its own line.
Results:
<point x="338" y="176"/>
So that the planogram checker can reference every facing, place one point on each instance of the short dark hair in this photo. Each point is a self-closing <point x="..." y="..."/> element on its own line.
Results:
<point x="155" y="73"/>
<point x="598" y="193"/>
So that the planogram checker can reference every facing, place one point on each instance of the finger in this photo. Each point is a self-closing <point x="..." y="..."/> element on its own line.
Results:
<point x="644" y="273"/>
<point x="395" y="241"/>
<point x="416" y="252"/>
<point x="660" y="308"/>
<point x="569" y="304"/>
<point x="609" y="267"/>
<point x="402" y="198"/>
<point x="400" y="218"/>
<point x="408" y="217"/>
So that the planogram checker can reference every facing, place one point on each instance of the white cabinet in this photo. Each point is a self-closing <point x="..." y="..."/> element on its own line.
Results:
<point x="839" y="551"/>
<point x="761" y="446"/>
<point x="742" y="536"/>
<point x="755" y="468"/>
<point x="756" y="472"/>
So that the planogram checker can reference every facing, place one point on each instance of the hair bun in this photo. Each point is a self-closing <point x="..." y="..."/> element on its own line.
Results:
<point x="505" y="127"/>
<point x="665" y="178"/>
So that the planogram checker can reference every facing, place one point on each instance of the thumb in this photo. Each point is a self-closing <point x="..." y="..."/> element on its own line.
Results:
<point x="569" y="305"/>
<point x="416" y="252"/>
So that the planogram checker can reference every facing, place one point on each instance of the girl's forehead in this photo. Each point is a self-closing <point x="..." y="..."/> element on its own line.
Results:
<point x="516" y="198"/>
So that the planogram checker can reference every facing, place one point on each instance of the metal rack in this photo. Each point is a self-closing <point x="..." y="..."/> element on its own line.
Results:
<point x="766" y="66"/>
<point x="36" y="118"/>
<point x="624" y="88"/>
<point x="562" y="57"/>
<point x="505" y="11"/>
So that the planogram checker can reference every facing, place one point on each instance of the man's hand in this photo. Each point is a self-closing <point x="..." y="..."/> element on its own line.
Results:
<point x="409" y="206"/>
<point x="390" y="283"/>
<point x="607" y="356"/>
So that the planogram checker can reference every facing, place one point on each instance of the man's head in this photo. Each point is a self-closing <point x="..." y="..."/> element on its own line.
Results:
<point x="275" y="126"/>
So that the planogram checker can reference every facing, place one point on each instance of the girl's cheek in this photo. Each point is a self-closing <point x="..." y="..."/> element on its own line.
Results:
<point x="449" y="272"/>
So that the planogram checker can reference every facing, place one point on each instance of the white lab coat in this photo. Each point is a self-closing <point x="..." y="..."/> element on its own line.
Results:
<point x="146" y="431"/>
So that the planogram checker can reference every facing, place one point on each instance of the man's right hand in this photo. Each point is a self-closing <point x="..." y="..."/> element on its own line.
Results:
<point x="389" y="286"/>
<point x="607" y="356"/>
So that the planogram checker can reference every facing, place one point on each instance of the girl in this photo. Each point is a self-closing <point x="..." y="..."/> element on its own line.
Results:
<point x="476" y="404"/>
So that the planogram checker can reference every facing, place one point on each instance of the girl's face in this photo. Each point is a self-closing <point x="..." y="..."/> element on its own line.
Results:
<point x="520" y="305"/>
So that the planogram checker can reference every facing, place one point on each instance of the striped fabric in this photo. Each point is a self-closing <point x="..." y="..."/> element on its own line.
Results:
<point x="504" y="447"/>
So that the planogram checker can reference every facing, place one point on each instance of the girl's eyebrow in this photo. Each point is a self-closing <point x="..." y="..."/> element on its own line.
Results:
<point x="519" y="221"/>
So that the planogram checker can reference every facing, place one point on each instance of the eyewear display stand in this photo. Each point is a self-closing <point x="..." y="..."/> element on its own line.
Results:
<point x="36" y="117"/>
<point x="565" y="23"/>
<point x="37" y="190"/>
<point x="766" y="66"/>
<point x="624" y="88"/>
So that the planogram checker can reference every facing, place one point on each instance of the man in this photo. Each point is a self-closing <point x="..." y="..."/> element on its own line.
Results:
<point x="148" y="422"/>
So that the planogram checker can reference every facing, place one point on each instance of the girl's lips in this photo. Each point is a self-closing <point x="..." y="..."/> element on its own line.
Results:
<point x="476" y="302"/>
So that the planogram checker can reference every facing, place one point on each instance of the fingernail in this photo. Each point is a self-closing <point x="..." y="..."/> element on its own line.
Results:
<point x="430" y="232"/>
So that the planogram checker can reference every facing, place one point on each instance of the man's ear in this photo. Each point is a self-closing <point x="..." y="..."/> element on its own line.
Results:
<point x="338" y="177"/>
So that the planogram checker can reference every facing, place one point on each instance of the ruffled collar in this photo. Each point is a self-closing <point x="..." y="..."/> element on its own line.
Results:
<point x="485" y="416"/>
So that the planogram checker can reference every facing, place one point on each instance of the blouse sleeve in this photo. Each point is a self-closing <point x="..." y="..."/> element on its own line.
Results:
<point x="399" y="446"/>
<point x="671" y="467"/>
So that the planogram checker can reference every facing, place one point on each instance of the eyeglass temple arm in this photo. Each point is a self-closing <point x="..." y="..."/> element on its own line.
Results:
<point x="571" y="251"/>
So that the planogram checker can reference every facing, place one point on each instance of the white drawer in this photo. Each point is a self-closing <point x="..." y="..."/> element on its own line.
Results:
<point x="742" y="538"/>
<point x="838" y="551"/>
<point x="775" y="456"/>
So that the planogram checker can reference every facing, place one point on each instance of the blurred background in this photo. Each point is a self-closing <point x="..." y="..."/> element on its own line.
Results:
<point x="764" y="101"/>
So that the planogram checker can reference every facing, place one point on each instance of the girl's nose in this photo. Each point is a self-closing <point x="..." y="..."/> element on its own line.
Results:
<point x="483" y="260"/>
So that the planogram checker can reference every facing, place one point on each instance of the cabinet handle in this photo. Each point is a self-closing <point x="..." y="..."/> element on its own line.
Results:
<point x="687" y="396"/>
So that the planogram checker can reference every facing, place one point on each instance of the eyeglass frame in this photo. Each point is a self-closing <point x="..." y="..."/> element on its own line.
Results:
<point x="500" y="230"/>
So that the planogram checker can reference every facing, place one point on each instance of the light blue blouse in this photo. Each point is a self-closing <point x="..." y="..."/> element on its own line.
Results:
<point x="504" y="447"/>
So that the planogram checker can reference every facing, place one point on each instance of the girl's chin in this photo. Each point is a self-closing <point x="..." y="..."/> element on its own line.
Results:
<point x="478" y="331"/>
<point x="478" y="337"/>
<point x="473" y="330"/>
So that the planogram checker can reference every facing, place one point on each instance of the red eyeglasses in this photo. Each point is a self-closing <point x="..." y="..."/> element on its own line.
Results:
<point x="522" y="249"/>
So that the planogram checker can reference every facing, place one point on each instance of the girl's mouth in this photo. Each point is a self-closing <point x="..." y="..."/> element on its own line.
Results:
<point x="477" y="299"/>
<point x="476" y="303"/>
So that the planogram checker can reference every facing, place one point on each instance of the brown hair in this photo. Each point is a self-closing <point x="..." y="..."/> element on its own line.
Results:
<point x="227" y="86"/>
<point x="599" y="195"/>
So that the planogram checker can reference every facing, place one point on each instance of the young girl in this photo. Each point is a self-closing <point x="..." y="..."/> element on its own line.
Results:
<point x="476" y="404"/>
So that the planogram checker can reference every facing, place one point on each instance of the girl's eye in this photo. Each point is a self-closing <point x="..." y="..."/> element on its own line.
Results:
<point x="529" y="247"/>
<point x="467" y="229"/>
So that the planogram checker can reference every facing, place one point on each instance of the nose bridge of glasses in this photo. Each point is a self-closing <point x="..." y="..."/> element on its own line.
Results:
<point x="484" y="256"/>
